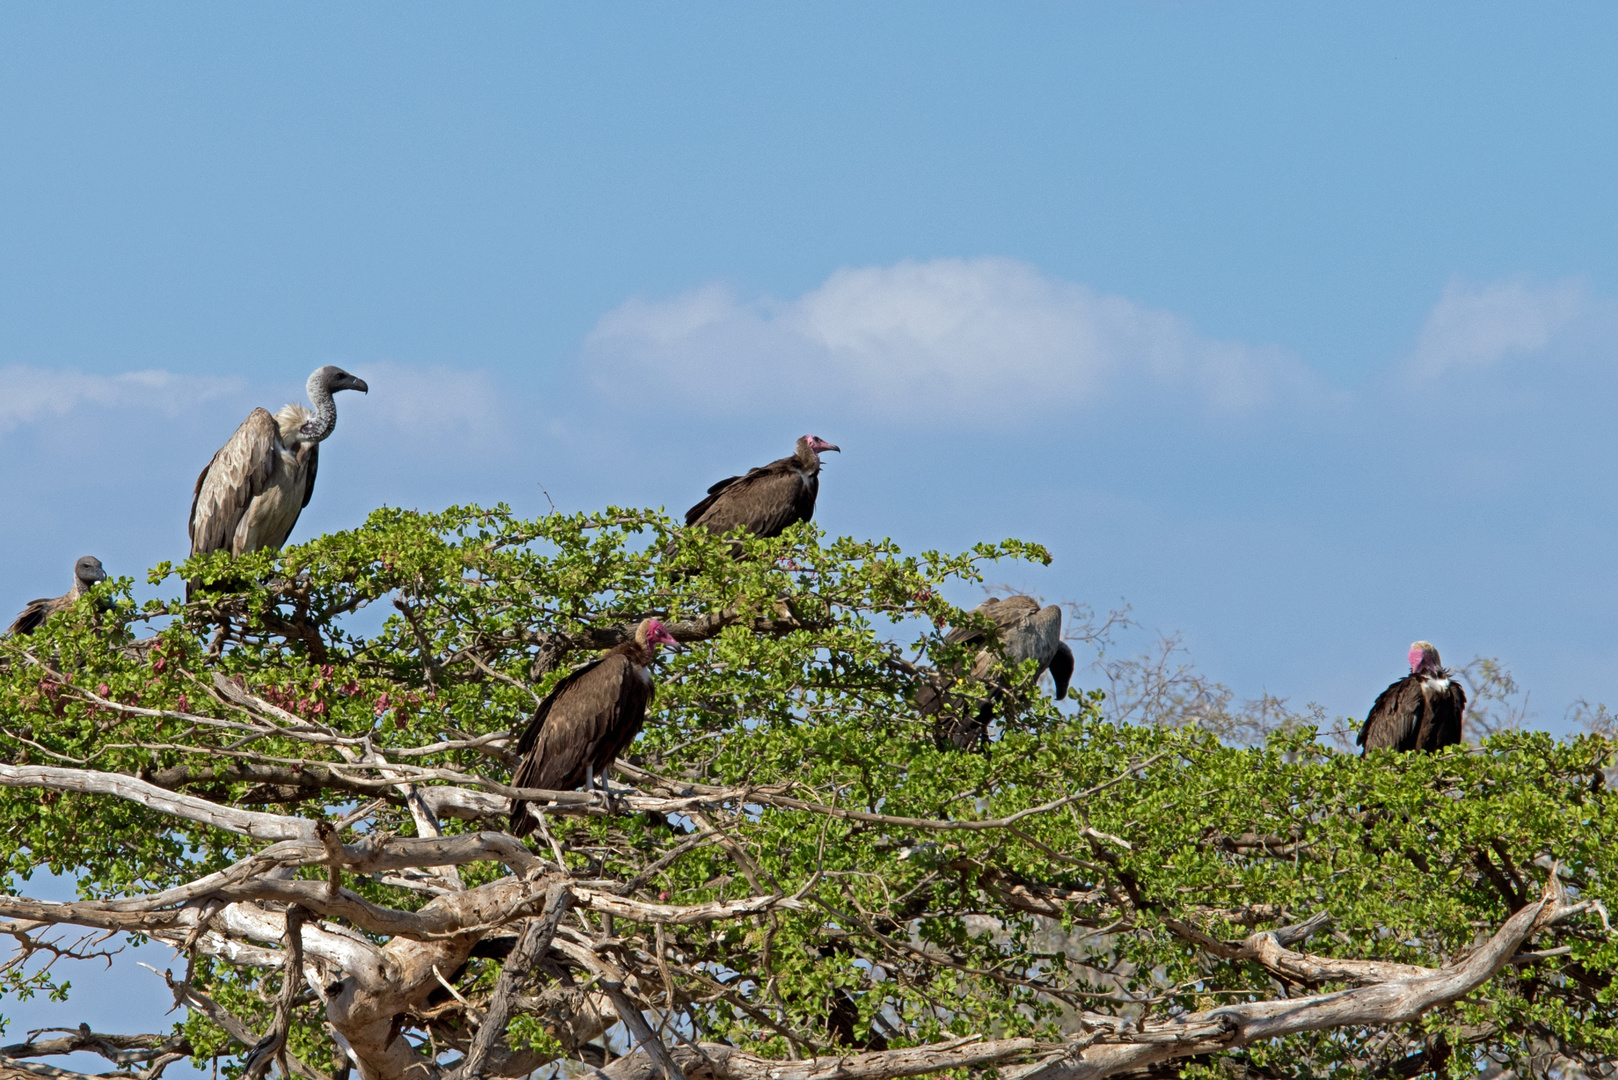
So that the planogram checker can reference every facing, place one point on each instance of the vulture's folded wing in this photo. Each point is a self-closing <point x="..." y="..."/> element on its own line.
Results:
<point x="765" y="501"/>
<point x="1394" y="718"/>
<point x="693" y="515"/>
<point x="32" y="617"/>
<point x="238" y="472"/>
<point x="556" y="745"/>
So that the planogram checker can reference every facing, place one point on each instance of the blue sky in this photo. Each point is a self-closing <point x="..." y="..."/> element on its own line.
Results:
<point x="1292" y="325"/>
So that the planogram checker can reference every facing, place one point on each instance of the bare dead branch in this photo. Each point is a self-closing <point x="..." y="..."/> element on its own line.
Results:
<point x="534" y="943"/>
<point x="273" y="1045"/>
<point x="195" y="1000"/>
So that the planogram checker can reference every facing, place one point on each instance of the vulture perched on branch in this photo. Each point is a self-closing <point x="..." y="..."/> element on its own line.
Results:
<point x="86" y="572"/>
<point x="769" y="498"/>
<point x="1422" y="711"/>
<point x="1027" y="632"/>
<point x="253" y="490"/>
<point x="586" y="721"/>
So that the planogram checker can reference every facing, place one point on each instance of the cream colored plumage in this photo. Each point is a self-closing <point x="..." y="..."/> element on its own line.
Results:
<point x="253" y="490"/>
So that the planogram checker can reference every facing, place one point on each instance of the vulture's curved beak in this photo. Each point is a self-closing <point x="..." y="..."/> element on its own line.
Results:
<point x="359" y="384"/>
<point x="829" y="446"/>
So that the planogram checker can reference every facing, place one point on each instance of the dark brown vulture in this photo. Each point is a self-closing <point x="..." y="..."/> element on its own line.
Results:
<point x="1422" y="711"/>
<point x="769" y="498"/>
<point x="86" y="572"/>
<point x="253" y="490"/>
<point x="1027" y="632"/>
<point x="587" y="720"/>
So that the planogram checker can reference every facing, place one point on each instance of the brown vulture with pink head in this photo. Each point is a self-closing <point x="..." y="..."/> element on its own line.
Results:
<point x="1422" y="711"/>
<point x="1027" y="632"/>
<point x="86" y="573"/>
<point x="587" y="720"/>
<point x="767" y="499"/>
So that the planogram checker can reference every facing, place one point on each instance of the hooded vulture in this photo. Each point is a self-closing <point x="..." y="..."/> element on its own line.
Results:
<point x="253" y="490"/>
<point x="1422" y="711"/>
<point x="769" y="498"/>
<point x="587" y="720"/>
<point x="86" y="572"/>
<point x="1027" y="632"/>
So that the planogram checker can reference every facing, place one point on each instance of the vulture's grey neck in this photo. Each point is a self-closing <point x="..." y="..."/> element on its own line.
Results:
<point x="324" y="420"/>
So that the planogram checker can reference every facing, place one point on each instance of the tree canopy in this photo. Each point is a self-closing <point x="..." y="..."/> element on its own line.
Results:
<point x="300" y="782"/>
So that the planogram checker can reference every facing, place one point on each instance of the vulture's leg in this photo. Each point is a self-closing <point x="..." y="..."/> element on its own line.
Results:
<point x="593" y="789"/>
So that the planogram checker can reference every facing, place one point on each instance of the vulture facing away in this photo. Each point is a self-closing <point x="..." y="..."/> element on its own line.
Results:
<point x="1027" y="632"/>
<point x="587" y="721"/>
<point x="1422" y="711"/>
<point x="253" y="490"/>
<point x="769" y="498"/>
<point x="86" y="572"/>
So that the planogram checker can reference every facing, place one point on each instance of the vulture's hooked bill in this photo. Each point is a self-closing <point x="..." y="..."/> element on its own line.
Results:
<point x="769" y="498"/>
<point x="1422" y="711"/>
<point x="1027" y="632"/>
<point x="587" y="721"/>
<point x="250" y="495"/>
<point x="86" y="572"/>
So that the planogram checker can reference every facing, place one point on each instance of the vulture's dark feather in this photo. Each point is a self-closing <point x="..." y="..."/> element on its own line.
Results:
<point x="33" y="615"/>
<point x="766" y="500"/>
<point x="311" y="455"/>
<point x="1062" y="670"/>
<point x="1419" y="712"/>
<point x="584" y="723"/>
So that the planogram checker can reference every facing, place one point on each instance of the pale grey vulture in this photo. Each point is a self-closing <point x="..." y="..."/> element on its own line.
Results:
<point x="1027" y="632"/>
<point x="86" y="572"/>
<point x="250" y="495"/>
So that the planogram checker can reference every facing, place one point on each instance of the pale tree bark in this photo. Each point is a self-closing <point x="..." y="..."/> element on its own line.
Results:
<point x="255" y="915"/>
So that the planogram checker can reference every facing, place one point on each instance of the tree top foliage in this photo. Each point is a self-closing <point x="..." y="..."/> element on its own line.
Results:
<point x="300" y="781"/>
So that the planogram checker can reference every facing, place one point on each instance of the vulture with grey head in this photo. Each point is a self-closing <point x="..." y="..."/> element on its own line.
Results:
<point x="1027" y="632"/>
<point x="769" y="498"/>
<point x="1422" y="711"/>
<point x="587" y="720"/>
<point x="86" y="572"/>
<point x="250" y="495"/>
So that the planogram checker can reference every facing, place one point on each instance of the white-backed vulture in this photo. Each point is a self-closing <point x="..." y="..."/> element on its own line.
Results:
<point x="587" y="720"/>
<point x="1422" y="711"/>
<point x="1027" y="632"/>
<point x="86" y="572"/>
<point x="767" y="499"/>
<point x="250" y="495"/>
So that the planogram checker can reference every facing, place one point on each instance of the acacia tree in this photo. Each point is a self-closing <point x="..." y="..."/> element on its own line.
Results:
<point x="307" y="802"/>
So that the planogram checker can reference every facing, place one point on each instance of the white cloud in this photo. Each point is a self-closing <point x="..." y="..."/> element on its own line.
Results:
<point x="426" y="405"/>
<point x="1477" y="326"/>
<point x="985" y="339"/>
<point x="443" y="404"/>
<point x="28" y="394"/>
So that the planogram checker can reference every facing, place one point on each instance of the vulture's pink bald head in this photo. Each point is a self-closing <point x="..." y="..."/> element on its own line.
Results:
<point x="1423" y="657"/>
<point x="652" y="634"/>
<point x="819" y="445"/>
